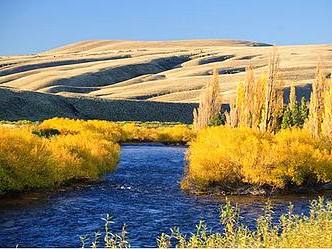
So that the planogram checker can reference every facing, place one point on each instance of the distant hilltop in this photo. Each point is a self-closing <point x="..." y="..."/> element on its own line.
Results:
<point x="107" y="45"/>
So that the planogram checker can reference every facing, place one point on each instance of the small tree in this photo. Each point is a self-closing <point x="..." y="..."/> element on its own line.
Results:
<point x="317" y="102"/>
<point x="286" y="119"/>
<point x="209" y="105"/>
<point x="303" y="110"/>
<point x="242" y="105"/>
<point x="292" y="114"/>
<point x="326" y="125"/>
<point x="258" y="101"/>
<point x="232" y="119"/>
<point x="274" y="96"/>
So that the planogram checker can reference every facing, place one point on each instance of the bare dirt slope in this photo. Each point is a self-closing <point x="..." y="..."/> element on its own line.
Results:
<point x="153" y="71"/>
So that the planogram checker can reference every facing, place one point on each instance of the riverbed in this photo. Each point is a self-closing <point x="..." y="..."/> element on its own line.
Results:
<point x="143" y="193"/>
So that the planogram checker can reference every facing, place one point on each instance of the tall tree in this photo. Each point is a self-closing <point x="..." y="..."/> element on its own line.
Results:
<point x="327" y="113"/>
<point x="210" y="103"/>
<point x="316" y="106"/>
<point x="274" y="95"/>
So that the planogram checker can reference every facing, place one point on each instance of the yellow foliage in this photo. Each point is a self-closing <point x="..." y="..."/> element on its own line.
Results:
<point x="83" y="156"/>
<point x="320" y="108"/>
<point x="259" y="102"/>
<point x="28" y="161"/>
<point x="231" y="156"/>
<point x="122" y="131"/>
<point x="25" y="161"/>
<point x="110" y="130"/>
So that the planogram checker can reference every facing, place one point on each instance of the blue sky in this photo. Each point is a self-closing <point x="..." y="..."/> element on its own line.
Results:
<point x="30" y="26"/>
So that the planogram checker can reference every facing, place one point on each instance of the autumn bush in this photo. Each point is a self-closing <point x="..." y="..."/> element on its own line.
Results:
<point x="121" y="131"/>
<point x="174" y="134"/>
<point x="229" y="157"/>
<point x="109" y="130"/>
<point x="25" y="161"/>
<point x="28" y="161"/>
<point x="82" y="156"/>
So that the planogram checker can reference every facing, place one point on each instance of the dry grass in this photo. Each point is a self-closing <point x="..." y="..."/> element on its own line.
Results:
<point x="156" y="71"/>
<point x="18" y="105"/>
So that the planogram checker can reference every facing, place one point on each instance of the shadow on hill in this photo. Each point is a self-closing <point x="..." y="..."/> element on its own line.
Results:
<point x="24" y="68"/>
<point x="18" y="105"/>
<point x="109" y="76"/>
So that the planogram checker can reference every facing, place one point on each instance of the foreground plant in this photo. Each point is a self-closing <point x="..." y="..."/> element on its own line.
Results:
<point x="109" y="240"/>
<point x="291" y="231"/>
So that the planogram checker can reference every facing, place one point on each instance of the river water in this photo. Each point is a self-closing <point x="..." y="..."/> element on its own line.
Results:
<point x="143" y="193"/>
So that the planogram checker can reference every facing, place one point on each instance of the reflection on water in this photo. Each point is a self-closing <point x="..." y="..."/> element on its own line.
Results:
<point x="143" y="193"/>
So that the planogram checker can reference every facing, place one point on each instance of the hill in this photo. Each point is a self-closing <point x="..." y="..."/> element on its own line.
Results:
<point x="151" y="71"/>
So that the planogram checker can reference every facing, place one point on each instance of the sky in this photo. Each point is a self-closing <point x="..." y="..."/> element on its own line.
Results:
<point x="32" y="26"/>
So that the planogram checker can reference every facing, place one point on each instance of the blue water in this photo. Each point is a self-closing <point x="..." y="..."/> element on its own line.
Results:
<point x="143" y="193"/>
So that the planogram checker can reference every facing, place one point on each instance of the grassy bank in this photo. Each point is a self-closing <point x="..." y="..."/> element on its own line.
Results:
<point x="60" y="151"/>
<point x="233" y="157"/>
<point x="290" y="231"/>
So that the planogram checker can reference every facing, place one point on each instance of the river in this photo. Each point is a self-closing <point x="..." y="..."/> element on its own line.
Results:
<point x="143" y="193"/>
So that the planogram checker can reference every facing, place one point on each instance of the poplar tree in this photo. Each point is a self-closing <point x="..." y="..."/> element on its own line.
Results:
<point x="274" y="96"/>
<point x="327" y="114"/>
<point x="317" y="102"/>
<point x="209" y="105"/>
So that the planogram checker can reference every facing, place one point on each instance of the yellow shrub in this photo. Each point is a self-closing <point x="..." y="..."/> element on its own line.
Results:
<point x="110" y="130"/>
<point x="83" y="156"/>
<point x="229" y="156"/>
<point x="163" y="134"/>
<point x="134" y="132"/>
<point x="28" y="161"/>
<point x="175" y="134"/>
<point x="25" y="161"/>
<point x="64" y="125"/>
<point x="122" y="132"/>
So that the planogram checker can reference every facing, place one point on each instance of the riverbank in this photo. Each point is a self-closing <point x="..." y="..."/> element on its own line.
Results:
<point x="252" y="190"/>
<point x="61" y="152"/>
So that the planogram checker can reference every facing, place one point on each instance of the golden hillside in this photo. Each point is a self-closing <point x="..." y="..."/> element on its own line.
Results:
<point x="155" y="80"/>
<point x="168" y="71"/>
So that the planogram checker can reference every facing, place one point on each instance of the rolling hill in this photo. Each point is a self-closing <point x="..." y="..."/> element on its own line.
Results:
<point x="158" y="74"/>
